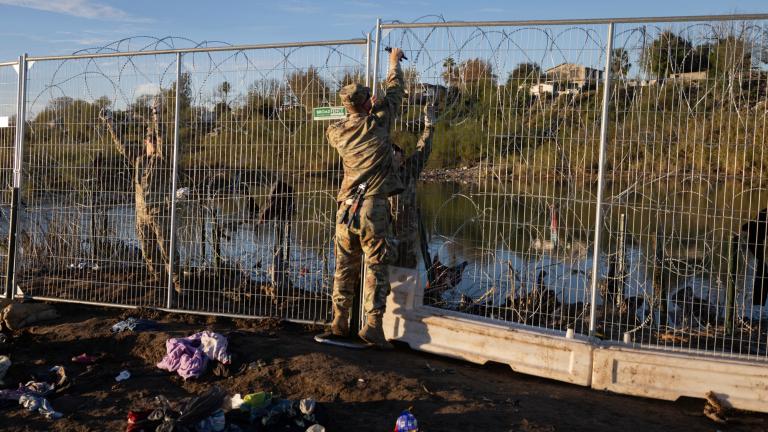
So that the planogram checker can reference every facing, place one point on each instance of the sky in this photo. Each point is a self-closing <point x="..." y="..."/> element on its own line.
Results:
<point x="46" y="27"/>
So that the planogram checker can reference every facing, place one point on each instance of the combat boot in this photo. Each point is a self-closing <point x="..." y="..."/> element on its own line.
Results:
<point x="373" y="332"/>
<point x="340" y="324"/>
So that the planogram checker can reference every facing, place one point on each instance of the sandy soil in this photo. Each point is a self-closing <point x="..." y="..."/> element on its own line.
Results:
<point x="446" y="395"/>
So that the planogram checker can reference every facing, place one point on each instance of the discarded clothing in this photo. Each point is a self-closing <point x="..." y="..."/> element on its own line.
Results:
<point x="281" y="414"/>
<point x="189" y="356"/>
<point x="5" y="363"/>
<point x="138" y="421"/>
<point x="134" y="325"/>
<point x="214" y="346"/>
<point x="193" y="414"/>
<point x="84" y="359"/>
<point x="215" y="423"/>
<point x="36" y="388"/>
<point x="39" y="404"/>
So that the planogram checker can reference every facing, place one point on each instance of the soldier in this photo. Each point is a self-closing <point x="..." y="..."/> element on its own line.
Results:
<point x="404" y="206"/>
<point x="363" y="221"/>
<point x="151" y="191"/>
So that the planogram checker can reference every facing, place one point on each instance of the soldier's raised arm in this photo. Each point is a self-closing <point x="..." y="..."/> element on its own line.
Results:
<point x="160" y="143"/>
<point x="387" y="108"/>
<point x="116" y="135"/>
<point x="415" y="164"/>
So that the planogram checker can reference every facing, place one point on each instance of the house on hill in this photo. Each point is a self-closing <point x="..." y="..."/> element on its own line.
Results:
<point x="567" y="78"/>
<point x="574" y="76"/>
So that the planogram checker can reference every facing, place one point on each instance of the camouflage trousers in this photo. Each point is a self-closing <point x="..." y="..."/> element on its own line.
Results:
<point x="373" y="237"/>
<point x="153" y="231"/>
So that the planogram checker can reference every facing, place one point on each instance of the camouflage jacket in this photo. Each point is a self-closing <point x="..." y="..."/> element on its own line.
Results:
<point x="363" y="144"/>
<point x="152" y="174"/>
<point x="404" y="206"/>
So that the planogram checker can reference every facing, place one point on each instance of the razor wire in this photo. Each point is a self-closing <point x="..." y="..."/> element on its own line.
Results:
<point x="241" y="111"/>
<point x="545" y="284"/>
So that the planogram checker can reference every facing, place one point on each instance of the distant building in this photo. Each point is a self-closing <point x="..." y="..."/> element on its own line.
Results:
<point x="543" y="89"/>
<point x="575" y="76"/>
<point x="688" y="77"/>
<point x="567" y="79"/>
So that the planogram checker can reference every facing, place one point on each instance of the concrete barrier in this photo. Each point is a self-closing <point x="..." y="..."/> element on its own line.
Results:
<point x="669" y="376"/>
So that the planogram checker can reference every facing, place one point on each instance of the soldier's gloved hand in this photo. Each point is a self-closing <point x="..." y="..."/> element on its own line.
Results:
<point x="429" y="116"/>
<point x="155" y="104"/>
<point x="105" y="114"/>
<point x="395" y="56"/>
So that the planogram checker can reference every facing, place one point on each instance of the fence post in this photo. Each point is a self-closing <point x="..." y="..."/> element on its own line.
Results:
<point x="730" y="287"/>
<point x="368" y="60"/>
<point x="174" y="178"/>
<point x="601" y="179"/>
<point x="21" y="108"/>
<point x="374" y="84"/>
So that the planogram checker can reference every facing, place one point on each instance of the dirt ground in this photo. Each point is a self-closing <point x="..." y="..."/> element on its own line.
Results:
<point x="361" y="390"/>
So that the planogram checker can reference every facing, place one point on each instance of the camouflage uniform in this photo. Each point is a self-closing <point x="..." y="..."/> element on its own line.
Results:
<point x="362" y="141"/>
<point x="151" y="195"/>
<point x="405" y="206"/>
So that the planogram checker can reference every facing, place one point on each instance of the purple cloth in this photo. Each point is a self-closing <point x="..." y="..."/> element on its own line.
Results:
<point x="187" y="356"/>
<point x="11" y="394"/>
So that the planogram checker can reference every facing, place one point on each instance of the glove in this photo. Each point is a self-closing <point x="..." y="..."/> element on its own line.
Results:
<point x="105" y="114"/>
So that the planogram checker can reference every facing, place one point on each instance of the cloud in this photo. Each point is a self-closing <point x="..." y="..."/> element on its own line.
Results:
<point x="78" y="8"/>
<point x="147" y="89"/>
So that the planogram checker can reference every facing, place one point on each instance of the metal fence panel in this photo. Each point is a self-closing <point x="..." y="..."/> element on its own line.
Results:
<point x="511" y="202"/>
<point x="508" y="200"/>
<point x="80" y="236"/>
<point x="256" y="225"/>
<point x="685" y="210"/>
<point x="8" y="103"/>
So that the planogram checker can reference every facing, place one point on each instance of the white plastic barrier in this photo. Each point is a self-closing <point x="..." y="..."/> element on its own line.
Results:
<point x="668" y="376"/>
<point x="548" y="354"/>
<point x="477" y="340"/>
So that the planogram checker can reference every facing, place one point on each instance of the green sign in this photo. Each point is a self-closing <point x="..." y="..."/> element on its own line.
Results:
<point x="329" y="113"/>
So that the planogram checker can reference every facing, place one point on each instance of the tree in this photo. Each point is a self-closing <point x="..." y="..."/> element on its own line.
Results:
<point x="308" y="87"/>
<point x="223" y="92"/>
<point x="523" y="75"/>
<point x="450" y="73"/>
<point x="620" y="64"/>
<point x="351" y="77"/>
<point x="102" y="102"/>
<point x="669" y="54"/>
<point x="476" y="70"/>
<point x="729" y="56"/>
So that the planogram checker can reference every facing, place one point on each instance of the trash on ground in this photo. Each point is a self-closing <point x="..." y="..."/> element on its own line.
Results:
<point x="5" y="363"/>
<point x="84" y="359"/>
<point x="276" y="414"/>
<point x="199" y="411"/>
<point x="233" y="402"/>
<point x="134" y="325"/>
<point x="189" y="356"/>
<point x="406" y="422"/>
<point x="39" y="404"/>
<point x="19" y="315"/>
<point x="714" y="409"/>
<point x="32" y="397"/>
<point x="122" y="376"/>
